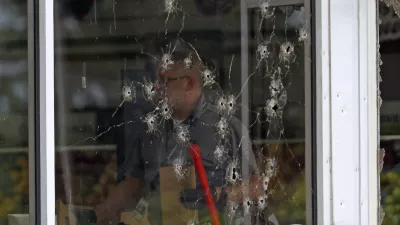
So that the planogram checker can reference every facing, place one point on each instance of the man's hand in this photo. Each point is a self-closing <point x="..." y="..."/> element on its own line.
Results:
<point x="120" y="198"/>
<point x="86" y="216"/>
<point x="195" y="199"/>
<point x="103" y="215"/>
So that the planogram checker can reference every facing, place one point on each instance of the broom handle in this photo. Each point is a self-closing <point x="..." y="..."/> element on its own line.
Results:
<point x="201" y="174"/>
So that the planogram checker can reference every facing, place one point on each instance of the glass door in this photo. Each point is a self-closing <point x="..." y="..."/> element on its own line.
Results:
<point x="141" y="86"/>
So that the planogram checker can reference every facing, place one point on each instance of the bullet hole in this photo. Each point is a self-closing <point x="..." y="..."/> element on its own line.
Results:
<point x="128" y="93"/>
<point x="232" y="172"/>
<point x="271" y="108"/>
<point x="287" y="52"/>
<point x="166" y="62"/>
<point x="179" y="169"/>
<point x="266" y="10"/>
<point x="221" y="105"/>
<point x="222" y="127"/>
<point x="219" y="153"/>
<point x="262" y="202"/>
<point x="262" y="51"/>
<point x="166" y="110"/>
<point x="208" y="77"/>
<point x="150" y="120"/>
<point x="226" y="105"/>
<point x="247" y="205"/>
<point x="303" y="34"/>
<point x="182" y="134"/>
<point x="231" y="105"/>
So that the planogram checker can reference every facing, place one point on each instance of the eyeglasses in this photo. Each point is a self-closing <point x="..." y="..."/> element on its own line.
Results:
<point x="168" y="79"/>
<point x="178" y="78"/>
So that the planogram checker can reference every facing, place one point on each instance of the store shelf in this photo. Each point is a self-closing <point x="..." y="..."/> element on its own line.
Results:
<point x="66" y="148"/>
<point x="280" y="141"/>
<point x="390" y="137"/>
<point x="113" y="147"/>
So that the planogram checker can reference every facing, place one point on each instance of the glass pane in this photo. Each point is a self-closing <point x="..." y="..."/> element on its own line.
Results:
<point x="141" y="84"/>
<point x="389" y="114"/>
<point x="14" y="185"/>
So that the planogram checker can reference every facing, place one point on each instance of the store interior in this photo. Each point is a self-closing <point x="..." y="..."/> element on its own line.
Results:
<point x="100" y="46"/>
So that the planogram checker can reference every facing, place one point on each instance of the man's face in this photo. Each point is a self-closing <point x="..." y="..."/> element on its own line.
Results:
<point x="173" y="84"/>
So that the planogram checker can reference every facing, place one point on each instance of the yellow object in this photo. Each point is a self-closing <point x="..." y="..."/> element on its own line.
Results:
<point x="173" y="211"/>
<point x="64" y="215"/>
<point x="15" y="175"/>
<point x="22" y="161"/>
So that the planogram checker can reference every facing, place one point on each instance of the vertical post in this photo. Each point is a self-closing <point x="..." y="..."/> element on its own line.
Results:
<point x="322" y="110"/>
<point x="31" y="111"/>
<point x="309" y="115"/>
<point x="244" y="43"/>
<point x="42" y="146"/>
<point x="346" y="111"/>
<point x="369" y="82"/>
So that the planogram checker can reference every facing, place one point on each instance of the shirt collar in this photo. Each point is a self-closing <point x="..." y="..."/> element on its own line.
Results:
<point x="197" y="111"/>
<point x="200" y="105"/>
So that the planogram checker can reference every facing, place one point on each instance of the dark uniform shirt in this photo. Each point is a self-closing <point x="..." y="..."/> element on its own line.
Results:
<point x="208" y="129"/>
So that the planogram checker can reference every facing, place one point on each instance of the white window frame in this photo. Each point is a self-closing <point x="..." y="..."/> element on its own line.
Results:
<point x="347" y="113"/>
<point x="346" y="122"/>
<point x="40" y="25"/>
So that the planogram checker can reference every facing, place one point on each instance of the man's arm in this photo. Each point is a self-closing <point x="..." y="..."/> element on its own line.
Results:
<point x="126" y="192"/>
<point x="130" y="174"/>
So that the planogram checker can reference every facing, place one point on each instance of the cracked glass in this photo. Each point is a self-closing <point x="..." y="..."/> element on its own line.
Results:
<point x="389" y="36"/>
<point x="181" y="111"/>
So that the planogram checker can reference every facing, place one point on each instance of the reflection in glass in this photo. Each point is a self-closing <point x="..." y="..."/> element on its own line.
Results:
<point x="389" y="114"/>
<point x="14" y="185"/>
<point x="139" y="83"/>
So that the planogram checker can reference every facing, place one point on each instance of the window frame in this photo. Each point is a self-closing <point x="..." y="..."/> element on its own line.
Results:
<point x="40" y="23"/>
<point x="357" y="204"/>
<point x="346" y="106"/>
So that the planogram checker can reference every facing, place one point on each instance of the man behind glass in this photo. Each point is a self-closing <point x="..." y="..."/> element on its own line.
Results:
<point x="179" y="86"/>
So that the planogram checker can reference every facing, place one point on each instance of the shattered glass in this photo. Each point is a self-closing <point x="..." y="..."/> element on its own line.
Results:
<point x="388" y="149"/>
<point x="139" y="83"/>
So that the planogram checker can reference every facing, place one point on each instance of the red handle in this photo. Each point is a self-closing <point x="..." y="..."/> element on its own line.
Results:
<point x="201" y="174"/>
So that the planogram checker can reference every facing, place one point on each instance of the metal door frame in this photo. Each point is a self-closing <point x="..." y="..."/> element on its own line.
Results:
<point x="345" y="106"/>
